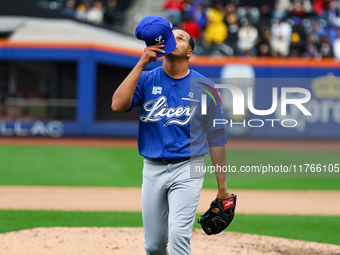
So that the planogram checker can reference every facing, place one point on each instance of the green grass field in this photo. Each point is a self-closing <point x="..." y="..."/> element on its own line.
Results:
<point x="311" y="228"/>
<point x="69" y="166"/>
<point x="122" y="167"/>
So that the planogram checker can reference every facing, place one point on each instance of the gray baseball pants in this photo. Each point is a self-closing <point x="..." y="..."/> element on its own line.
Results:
<point x="170" y="194"/>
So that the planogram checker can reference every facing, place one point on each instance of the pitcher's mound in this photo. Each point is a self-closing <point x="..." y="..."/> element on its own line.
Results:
<point x="127" y="241"/>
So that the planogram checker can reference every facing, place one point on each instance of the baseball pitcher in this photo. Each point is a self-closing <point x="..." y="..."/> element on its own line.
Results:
<point x="173" y="136"/>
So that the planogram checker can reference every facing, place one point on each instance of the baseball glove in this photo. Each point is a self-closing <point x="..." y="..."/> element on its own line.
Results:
<point x="219" y="215"/>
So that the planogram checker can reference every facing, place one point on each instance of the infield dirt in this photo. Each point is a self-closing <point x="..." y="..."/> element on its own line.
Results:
<point x="128" y="241"/>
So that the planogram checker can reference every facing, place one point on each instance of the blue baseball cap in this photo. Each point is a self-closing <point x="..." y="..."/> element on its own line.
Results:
<point x="155" y="30"/>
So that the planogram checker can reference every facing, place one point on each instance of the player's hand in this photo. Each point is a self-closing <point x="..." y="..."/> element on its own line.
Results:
<point x="223" y="194"/>
<point x="150" y="54"/>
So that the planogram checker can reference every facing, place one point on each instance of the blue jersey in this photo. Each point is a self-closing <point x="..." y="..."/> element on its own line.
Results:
<point x="171" y="123"/>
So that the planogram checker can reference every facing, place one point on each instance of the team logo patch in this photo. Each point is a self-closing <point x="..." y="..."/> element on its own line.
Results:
<point x="215" y="210"/>
<point x="156" y="90"/>
<point x="159" y="40"/>
<point x="190" y="98"/>
<point x="228" y="203"/>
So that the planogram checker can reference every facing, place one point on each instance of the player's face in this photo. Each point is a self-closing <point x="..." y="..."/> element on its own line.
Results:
<point x="183" y="48"/>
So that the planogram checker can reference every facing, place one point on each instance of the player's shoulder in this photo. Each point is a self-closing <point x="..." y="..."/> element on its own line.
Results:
<point x="199" y="79"/>
<point x="150" y="76"/>
<point x="195" y="74"/>
<point x="153" y="72"/>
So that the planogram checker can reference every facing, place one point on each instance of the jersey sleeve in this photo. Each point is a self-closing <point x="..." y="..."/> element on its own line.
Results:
<point x="215" y="129"/>
<point x="216" y="138"/>
<point x="138" y="94"/>
<point x="214" y="112"/>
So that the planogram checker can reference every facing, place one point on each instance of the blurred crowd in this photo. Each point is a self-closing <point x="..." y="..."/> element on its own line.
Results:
<point x="281" y="28"/>
<point x="110" y="13"/>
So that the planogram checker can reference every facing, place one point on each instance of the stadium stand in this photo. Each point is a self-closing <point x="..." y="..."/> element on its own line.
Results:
<point x="280" y="28"/>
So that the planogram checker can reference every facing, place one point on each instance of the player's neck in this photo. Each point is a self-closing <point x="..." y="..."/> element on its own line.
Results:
<point x="176" y="69"/>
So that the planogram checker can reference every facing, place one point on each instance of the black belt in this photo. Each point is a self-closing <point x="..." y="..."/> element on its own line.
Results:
<point x="169" y="161"/>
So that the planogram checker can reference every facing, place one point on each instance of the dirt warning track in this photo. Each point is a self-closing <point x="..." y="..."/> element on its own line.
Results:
<point x="114" y="199"/>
